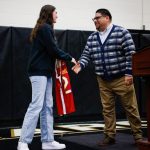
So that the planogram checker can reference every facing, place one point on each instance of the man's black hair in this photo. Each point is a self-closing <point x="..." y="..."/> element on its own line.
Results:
<point x="104" y="12"/>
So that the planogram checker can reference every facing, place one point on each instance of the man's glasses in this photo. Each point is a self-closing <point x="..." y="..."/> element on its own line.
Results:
<point x="96" y="18"/>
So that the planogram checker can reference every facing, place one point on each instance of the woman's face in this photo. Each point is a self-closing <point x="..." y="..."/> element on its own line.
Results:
<point x="54" y="15"/>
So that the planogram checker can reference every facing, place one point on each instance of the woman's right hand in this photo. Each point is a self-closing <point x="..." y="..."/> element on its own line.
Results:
<point x="73" y="61"/>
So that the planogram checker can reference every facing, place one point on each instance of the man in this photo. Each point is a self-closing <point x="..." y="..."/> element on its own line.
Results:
<point x="110" y="49"/>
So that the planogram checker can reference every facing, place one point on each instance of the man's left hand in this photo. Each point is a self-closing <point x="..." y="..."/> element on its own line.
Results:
<point x="128" y="80"/>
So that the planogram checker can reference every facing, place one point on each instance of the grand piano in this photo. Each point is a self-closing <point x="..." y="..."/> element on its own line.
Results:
<point x="141" y="67"/>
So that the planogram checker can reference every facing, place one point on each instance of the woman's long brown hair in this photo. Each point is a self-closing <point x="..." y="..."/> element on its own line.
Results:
<point x="44" y="17"/>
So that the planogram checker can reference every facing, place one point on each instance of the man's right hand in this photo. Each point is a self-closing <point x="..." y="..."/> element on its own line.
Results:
<point x="76" y="68"/>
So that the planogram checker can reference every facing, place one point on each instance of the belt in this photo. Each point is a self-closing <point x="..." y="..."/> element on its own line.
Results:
<point x="112" y="77"/>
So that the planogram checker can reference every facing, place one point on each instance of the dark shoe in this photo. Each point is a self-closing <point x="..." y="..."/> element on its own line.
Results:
<point x="138" y="140"/>
<point x="107" y="141"/>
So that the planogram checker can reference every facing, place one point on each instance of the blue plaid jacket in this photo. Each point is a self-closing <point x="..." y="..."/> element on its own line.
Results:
<point x="113" y="57"/>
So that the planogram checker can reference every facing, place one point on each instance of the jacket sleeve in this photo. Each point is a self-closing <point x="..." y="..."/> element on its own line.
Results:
<point x="50" y="43"/>
<point x="129" y="49"/>
<point x="85" y="56"/>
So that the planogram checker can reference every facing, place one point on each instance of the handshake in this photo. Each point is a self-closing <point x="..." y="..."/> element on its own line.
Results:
<point x="76" y="68"/>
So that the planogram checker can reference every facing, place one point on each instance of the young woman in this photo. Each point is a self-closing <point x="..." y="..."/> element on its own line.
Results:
<point x="41" y="67"/>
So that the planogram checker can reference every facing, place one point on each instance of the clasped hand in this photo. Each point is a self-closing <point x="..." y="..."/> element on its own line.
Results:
<point x="76" y="68"/>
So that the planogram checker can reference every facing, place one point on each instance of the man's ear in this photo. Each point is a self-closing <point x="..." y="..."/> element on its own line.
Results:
<point x="107" y="17"/>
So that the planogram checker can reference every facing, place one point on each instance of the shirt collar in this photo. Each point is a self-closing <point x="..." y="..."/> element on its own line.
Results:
<point x="107" y="29"/>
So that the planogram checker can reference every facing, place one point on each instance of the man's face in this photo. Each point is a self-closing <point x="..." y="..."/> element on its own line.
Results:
<point x="54" y="16"/>
<point x="99" y="21"/>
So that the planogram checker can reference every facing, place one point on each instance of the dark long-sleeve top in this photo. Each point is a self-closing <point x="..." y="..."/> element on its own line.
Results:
<point x="44" y="53"/>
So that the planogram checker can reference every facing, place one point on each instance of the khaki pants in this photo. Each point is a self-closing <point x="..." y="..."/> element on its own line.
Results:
<point x="108" y="91"/>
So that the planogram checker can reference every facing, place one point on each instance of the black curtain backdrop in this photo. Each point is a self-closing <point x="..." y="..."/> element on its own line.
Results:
<point x="21" y="88"/>
<point x="5" y="73"/>
<point x="15" y="88"/>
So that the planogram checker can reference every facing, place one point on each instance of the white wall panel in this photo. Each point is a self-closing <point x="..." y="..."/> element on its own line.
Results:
<point x="146" y="14"/>
<point x="76" y="14"/>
